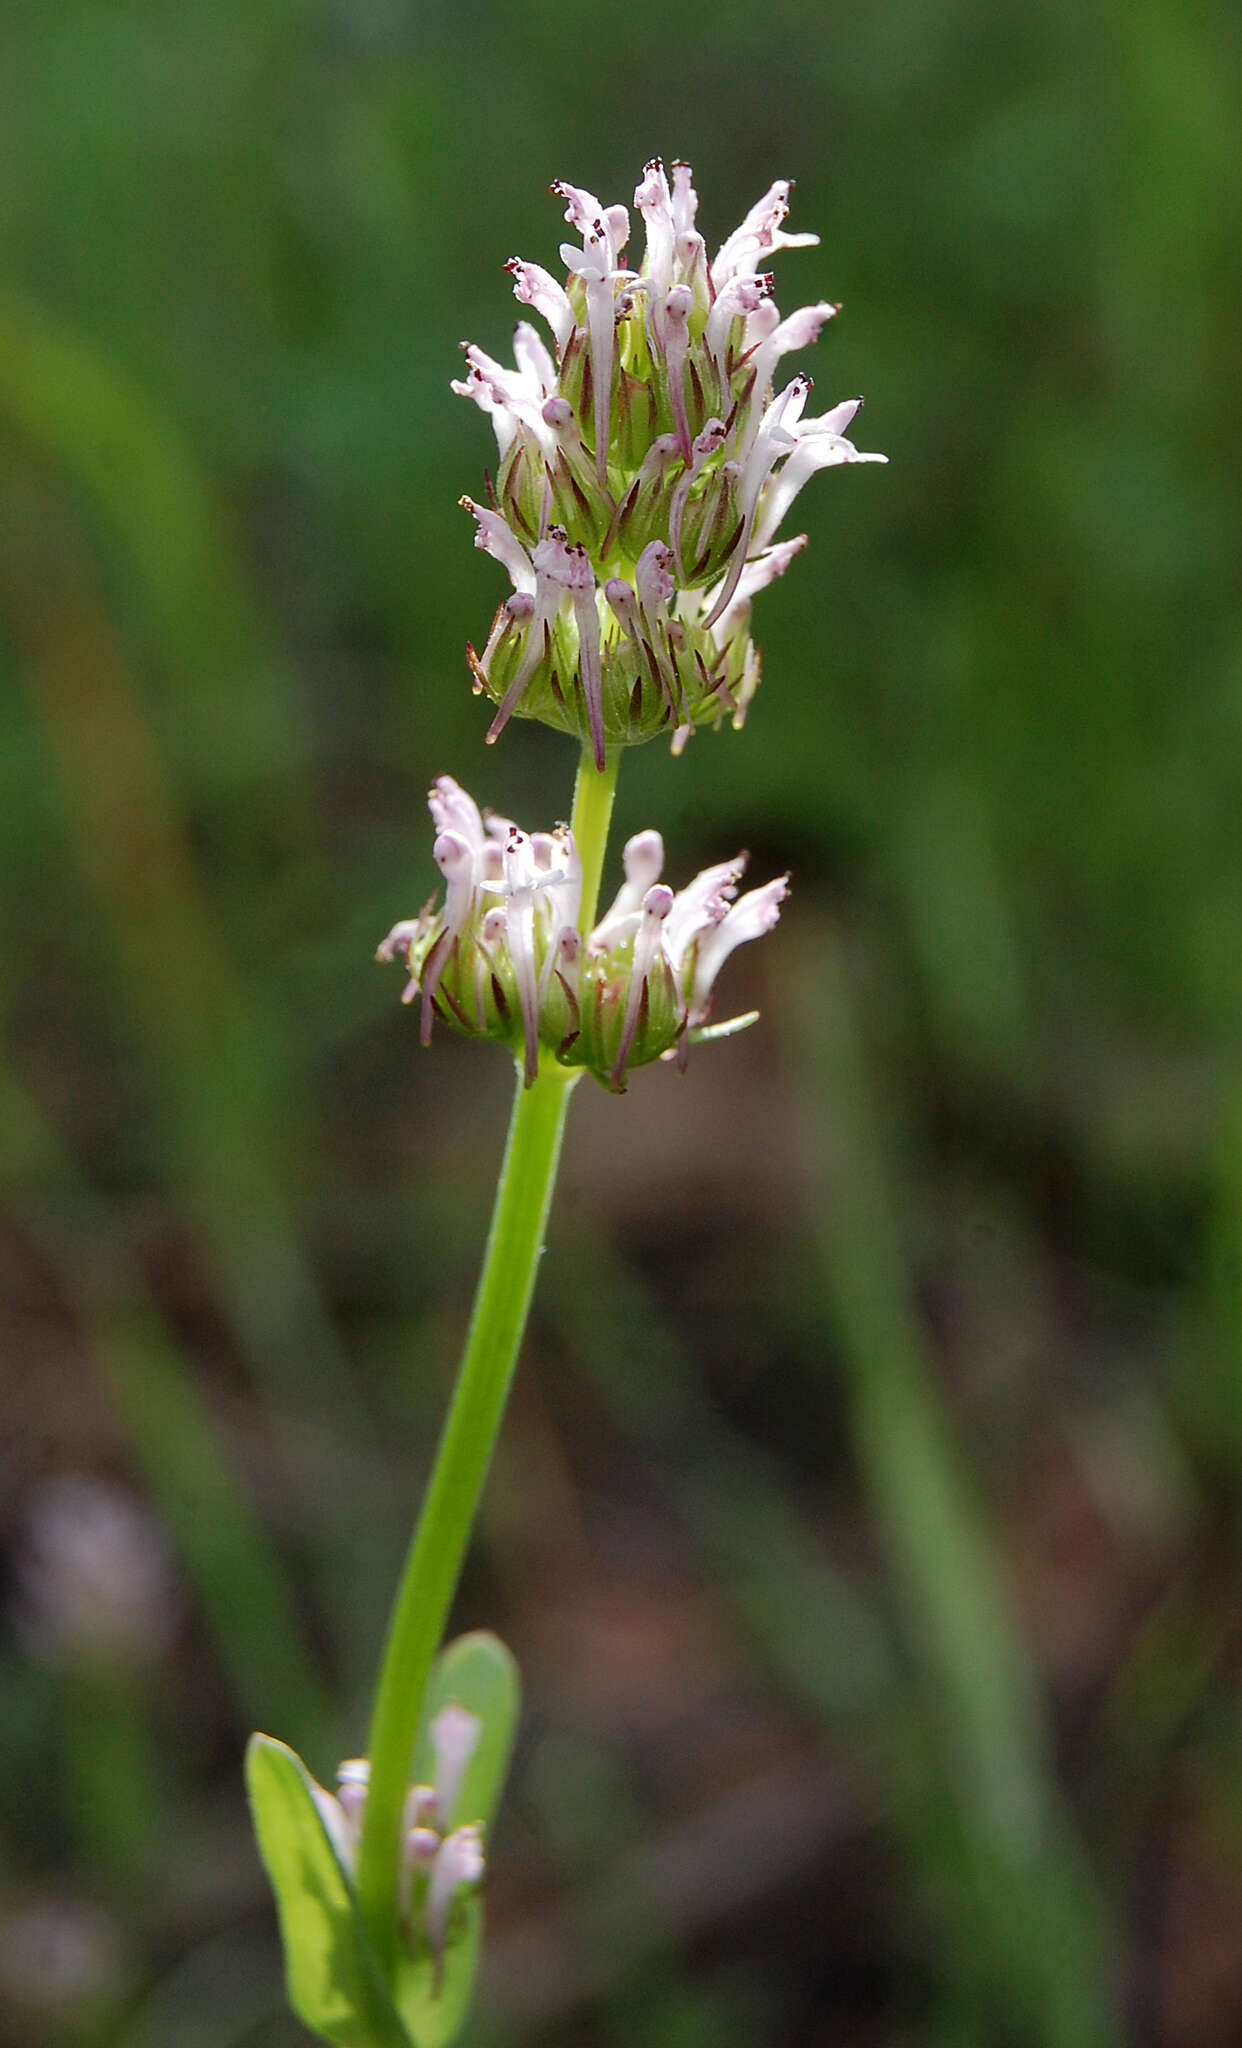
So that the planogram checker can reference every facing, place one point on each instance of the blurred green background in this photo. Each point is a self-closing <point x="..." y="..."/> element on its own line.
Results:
<point x="867" y="1521"/>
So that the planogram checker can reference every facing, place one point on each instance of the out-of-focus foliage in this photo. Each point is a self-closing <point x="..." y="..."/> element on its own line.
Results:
<point x="867" y="1522"/>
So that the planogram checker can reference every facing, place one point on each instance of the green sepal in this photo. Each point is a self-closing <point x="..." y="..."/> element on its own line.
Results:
<point x="334" y="1982"/>
<point x="706" y="1034"/>
<point x="479" y="1673"/>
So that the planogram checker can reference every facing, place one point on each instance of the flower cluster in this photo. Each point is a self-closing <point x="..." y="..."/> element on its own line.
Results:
<point x="503" y="956"/>
<point x="644" y="469"/>
<point x="438" y="1861"/>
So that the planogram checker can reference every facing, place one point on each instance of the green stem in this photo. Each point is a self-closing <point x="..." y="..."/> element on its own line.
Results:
<point x="593" y="795"/>
<point x="502" y="1303"/>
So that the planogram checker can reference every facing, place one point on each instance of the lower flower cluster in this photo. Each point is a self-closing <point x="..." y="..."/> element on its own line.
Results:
<point x="503" y="957"/>
<point x="438" y="1862"/>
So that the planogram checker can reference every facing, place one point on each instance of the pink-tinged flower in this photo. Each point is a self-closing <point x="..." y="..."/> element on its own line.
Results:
<point x="646" y="949"/>
<point x="775" y="438"/>
<point x="454" y="1733"/>
<point x="458" y="1865"/>
<point x="749" y="918"/>
<point x="514" y="398"/>
<point x="503" y="958"/>
<point x="643" y="863"/>
<point x="760" y="570"/>
<point x="438" y="1862"/>
<point x="759" y="236"/>
<point x="652" y="422"/>
<point x="536" y="287"/>
<point x="495" y="538"/>
<point x="605" y="232"/>
<point x="818" y="444"/>
<point x="342" y="1814"/>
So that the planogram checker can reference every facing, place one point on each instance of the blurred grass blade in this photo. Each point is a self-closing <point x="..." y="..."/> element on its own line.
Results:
<point x="154" y="510"/>
<point x="1030" y="1923"/>
<point x="773" y="1568"/>
<point x="219" y="1089"/>
<point x="172" y="1434"/>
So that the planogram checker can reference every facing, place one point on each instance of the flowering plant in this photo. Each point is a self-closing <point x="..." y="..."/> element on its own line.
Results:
<point x="645" y="468"/>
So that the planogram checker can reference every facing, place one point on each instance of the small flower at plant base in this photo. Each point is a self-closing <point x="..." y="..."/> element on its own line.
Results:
<point x="438" y="1862"/>
<point x="455" y="1736"/>
<point x="458" y="1864"/>
<point x="503" y="957"/>
<point x="342" y="1815"/>
<point x="644" y="468"/>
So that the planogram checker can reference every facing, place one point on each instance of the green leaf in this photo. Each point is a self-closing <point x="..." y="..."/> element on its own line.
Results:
<point x="476" y="1672"/>
<point x="333" y="1979"/>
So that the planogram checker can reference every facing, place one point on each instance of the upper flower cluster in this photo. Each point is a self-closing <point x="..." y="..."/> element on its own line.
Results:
<point x="645" y="468"/>
<point x="504" y="958"/>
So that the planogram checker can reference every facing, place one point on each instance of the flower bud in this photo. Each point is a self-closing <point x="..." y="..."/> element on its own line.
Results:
<point x="655" y="426"/>
<point x="458" y="1865"/>
<point x="455" y="1736"/>
<point x="504" y="958"/>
